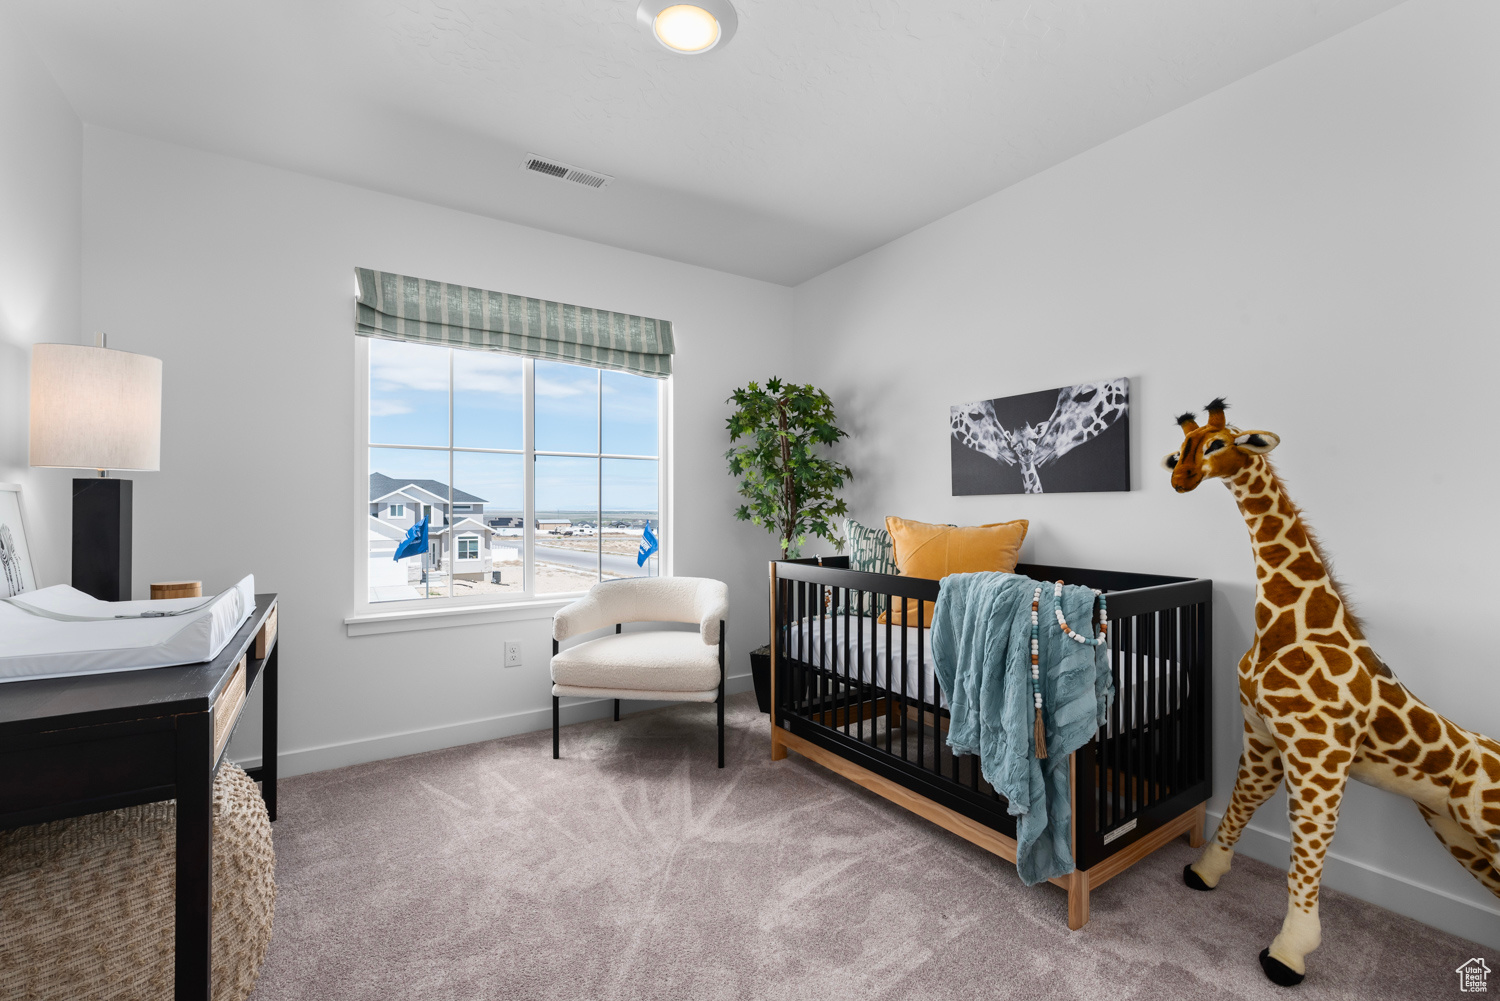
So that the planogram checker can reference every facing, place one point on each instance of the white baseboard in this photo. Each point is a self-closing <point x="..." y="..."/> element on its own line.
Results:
<point x="1477" y="922"/>
<point x="395" y="745"/>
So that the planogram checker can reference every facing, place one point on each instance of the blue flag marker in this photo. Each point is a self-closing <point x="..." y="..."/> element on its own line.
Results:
<point x="415" y="542"/>
<point x="649" y="546"/>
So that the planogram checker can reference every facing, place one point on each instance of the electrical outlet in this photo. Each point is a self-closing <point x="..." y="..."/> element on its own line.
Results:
<point x="512" y="655"/>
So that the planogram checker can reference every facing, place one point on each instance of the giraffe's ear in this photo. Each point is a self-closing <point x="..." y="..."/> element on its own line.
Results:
<point x="1259" y="442"/>
<point x="1169" y="461"/>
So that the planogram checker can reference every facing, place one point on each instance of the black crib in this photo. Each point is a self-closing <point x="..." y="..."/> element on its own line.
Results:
<point x="858" y="696"/>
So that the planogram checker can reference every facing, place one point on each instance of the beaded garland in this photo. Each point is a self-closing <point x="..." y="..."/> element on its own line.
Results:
<point x="1103" y="618"/>
<point x="1036" y="650"/>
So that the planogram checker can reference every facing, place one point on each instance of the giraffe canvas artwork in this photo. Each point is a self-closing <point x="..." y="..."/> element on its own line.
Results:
<point x="1320" y="707"/>
<point x="1031" y="443"/>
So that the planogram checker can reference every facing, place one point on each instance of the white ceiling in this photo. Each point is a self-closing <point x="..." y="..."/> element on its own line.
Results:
<point x="823" y="129"/>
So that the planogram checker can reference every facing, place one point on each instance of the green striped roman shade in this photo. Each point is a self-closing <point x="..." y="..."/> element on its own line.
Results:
<point x="400" y="308"/>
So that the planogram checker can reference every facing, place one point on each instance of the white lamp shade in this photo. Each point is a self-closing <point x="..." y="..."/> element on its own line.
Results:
<point x="95" y="408"/>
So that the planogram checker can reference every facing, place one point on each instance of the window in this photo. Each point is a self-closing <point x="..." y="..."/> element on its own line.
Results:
<point x="398" y="510"/>
<point x="560" y="463"/>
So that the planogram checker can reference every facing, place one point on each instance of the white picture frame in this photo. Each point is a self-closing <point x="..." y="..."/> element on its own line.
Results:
<point x="16" y="572"/>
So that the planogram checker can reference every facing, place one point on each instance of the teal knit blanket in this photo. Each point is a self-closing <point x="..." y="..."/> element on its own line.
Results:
<point x="981" y="652"/>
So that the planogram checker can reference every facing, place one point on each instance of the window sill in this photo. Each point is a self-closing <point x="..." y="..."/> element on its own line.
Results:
<point x="410" y="620"/>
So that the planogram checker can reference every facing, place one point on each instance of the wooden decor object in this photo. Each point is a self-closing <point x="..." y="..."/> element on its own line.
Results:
<point x="177" y="589"/>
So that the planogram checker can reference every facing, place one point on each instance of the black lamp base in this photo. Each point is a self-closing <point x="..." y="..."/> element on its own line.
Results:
<point x="101" y="537"/>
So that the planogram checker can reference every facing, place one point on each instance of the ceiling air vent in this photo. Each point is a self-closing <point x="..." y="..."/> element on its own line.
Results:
<point x="565" y="172"/>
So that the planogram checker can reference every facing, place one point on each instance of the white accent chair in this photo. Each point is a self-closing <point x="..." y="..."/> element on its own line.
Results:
<point x="669" y="666"/>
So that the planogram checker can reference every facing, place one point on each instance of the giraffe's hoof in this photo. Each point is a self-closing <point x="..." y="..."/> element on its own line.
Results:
<point x="1193" y="880"/>
<point x="1278" y="971"/>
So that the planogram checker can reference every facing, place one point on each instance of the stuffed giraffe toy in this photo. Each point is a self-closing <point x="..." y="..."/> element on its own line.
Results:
<point x="1320" y="706"/>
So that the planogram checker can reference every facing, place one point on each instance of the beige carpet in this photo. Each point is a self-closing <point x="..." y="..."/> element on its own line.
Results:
<point x="633" y="868"/>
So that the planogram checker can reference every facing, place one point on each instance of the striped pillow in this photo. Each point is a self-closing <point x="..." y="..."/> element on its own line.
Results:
<point x="871" y="551"/>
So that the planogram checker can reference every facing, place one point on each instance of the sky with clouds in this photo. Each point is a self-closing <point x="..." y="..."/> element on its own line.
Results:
<point x="409" y="406"/>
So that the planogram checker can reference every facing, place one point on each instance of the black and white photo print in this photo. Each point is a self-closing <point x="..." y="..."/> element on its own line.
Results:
<point x="15" y="557"/>
<point x="1072" y="439"/>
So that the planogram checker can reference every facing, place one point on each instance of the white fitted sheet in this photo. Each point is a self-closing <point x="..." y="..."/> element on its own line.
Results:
<point x="867" y="663"/>
<point x="34" y="647"/>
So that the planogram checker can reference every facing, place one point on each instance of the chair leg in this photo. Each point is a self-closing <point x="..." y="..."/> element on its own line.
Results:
<point x="721" y="694"/>
<point x="617" y="710"/>
<point x="554" y="728"/>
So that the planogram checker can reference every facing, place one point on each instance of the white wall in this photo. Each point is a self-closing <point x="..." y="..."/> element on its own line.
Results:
<point x="41" y="248"/>
<point x="241" y="279"/>
<point x="1316" y="242"/>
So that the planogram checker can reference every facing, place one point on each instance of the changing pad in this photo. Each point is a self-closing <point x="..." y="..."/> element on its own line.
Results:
<point x="35" y="646"/>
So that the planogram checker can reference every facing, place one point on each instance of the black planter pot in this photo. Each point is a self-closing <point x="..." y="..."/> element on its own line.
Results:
<point x="760" y="670"/>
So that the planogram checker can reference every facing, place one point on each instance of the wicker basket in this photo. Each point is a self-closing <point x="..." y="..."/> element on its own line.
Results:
<point x="86" y="905"/>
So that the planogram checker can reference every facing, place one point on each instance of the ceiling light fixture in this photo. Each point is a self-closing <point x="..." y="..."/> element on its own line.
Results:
<point x="689" y="28"/>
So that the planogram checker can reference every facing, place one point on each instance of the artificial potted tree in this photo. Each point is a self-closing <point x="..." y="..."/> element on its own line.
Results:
<point x="780" y="434"/>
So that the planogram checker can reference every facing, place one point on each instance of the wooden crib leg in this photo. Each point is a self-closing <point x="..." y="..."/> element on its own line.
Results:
<point x="1078" y="899"/>
<point x="778" y="749"/>
<point x="1196" y="838"/>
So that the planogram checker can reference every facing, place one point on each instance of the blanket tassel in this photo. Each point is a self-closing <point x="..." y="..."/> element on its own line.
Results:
<point x="1041" y="735"/>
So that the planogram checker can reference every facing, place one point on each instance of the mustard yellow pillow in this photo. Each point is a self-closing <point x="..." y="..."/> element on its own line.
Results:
<point x="935" y="551"/>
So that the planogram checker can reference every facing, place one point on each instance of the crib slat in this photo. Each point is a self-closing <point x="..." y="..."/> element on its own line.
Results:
<point x="1190" y="687"/>
<point x="921" y="686"/>
<point x="1112" y="775"/>
<point x="1190" y="660"/>
<point x="780" y="643"/>
<point x="1205" y="614"/>
<point x="835" y="692"/>
<point x="874" y="686"/>
<point x="905" y="681"/>
<point x="1127" y="757"/>
<point x="844" y="662"/>
<point x="840" y="650"/>
<point x="1153" y="665"/>
<point x="1168" y="719"/>
<point x="825" y="693"/>
<point x="1102" y="740"/>
<point x="889" y="695"/>
<point x="1174" y="699"/>
<point x="801" y="625"/>
<point x="1142" y="637"/>
<point x="1158" y="721"/>
<point x="1179" y="778"/>
<point x="1148" y="722"/>
<point x="859" y="674"/>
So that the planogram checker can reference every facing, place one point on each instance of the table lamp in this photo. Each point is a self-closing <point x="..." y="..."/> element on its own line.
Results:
<point x="95" y="408"/>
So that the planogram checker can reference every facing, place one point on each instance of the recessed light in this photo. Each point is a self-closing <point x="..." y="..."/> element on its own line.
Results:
<point x="689" y="28"/>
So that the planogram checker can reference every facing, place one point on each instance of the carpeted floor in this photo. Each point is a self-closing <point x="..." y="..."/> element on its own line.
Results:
<point x="633" y="868"/>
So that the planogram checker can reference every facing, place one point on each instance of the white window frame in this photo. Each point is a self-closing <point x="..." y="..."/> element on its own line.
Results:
<point x="398" y="510"/>
<point x="367" y="617"/>
<point x="467" y="537"/>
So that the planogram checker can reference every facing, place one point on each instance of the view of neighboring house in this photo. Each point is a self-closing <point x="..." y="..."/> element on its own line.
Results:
<point x="404" y="502"/>
<point x="460" y="543"/>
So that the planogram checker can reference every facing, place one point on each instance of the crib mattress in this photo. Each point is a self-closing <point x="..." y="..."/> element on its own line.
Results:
<point x="1161" y="677"/>
<point x="34" y="646"/>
